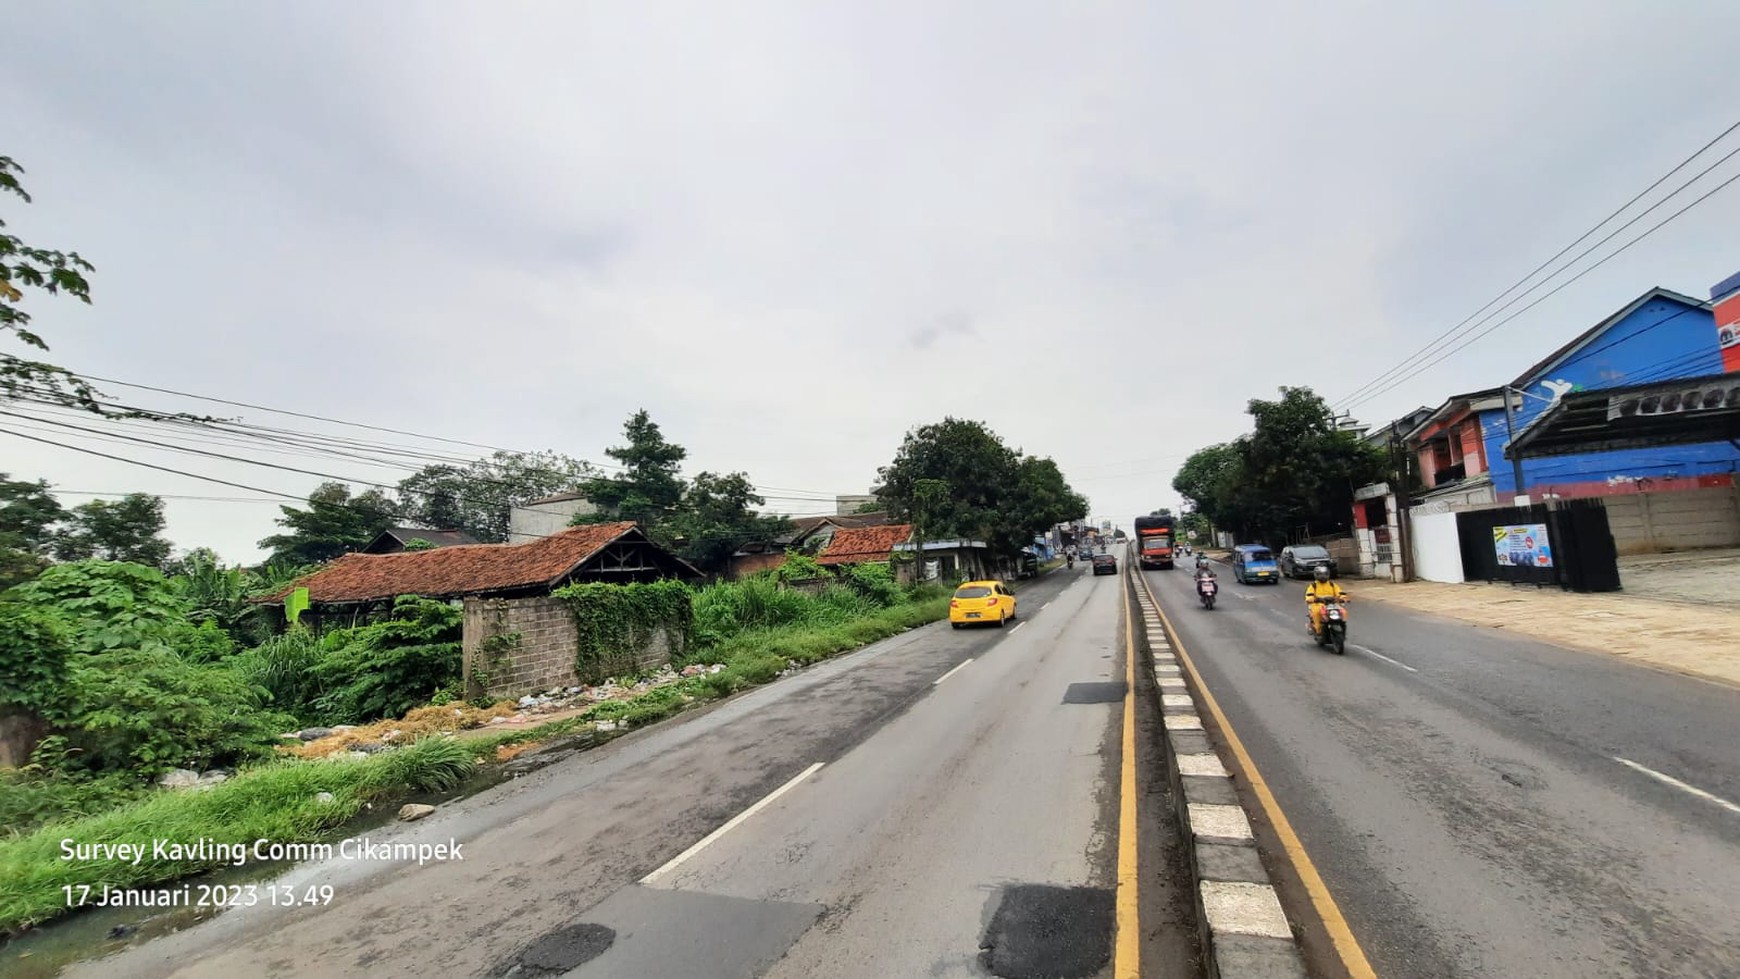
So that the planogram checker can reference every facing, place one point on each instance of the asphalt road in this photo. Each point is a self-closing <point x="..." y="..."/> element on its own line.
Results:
<point x="943" y="803"/>
<point x="1480" y="805"/>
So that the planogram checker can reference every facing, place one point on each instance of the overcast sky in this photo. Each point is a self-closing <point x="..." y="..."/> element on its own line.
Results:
<point x="793" y="231"/>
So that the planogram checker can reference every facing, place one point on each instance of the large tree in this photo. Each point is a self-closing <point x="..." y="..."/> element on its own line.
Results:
<point x="478" y="498"/>
<point x="957" y="478"/>
<point x="717" y="517"/>
<point x="1295" y="471"/>
<point x="649" y="489"/>
<point x="28" y="514"/>
<point x="49" y="271"/>
<point x="334" y="523"/>
<point x="128" y="529"/>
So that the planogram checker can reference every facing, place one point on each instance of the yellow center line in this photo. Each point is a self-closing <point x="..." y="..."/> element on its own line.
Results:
<point x="1352" y="956"/>
<point x="1128" y="961"/>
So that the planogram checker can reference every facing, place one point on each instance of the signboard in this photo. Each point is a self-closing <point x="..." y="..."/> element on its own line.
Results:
<point x="1371" y="492"/>
<point x="1522" y="545"/>
<point x="1726" y="299"/>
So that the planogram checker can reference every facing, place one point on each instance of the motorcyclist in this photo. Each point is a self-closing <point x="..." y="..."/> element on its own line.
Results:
<point x="1320" y="592"/>
<point x="1201" y="562"/>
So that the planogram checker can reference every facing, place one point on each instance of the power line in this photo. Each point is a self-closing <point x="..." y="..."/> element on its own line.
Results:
<point x="1453" y="332"/>
<point x="1556" y="289"/>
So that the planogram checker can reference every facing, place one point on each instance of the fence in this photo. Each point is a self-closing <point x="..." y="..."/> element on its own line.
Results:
<point x="1569" y="545"/>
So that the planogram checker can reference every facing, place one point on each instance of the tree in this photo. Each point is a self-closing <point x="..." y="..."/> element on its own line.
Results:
<point x="53" y="272"/>
<point x="216" y="594"/>
<point x="28" y="514"/>
<point x="1294" y="470"/>
<point x="479" y="497"/>
<point x="335" y="523"/>
<point x="718" y="517"/>
<point x="649" y="489"/>
<point x="129" y="529"/>
<point x="957" y="478"/>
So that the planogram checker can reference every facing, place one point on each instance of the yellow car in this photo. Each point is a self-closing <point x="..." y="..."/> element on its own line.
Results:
<point x="981" y="601"/>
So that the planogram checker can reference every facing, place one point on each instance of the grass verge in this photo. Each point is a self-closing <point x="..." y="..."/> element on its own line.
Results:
<point x="279" y="801"/>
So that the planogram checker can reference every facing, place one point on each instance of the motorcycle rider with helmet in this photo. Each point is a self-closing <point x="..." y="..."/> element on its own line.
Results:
<point x="1320" y="592"/>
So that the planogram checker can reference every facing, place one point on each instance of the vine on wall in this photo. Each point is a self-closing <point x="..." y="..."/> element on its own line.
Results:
<point x="615" y="622"/>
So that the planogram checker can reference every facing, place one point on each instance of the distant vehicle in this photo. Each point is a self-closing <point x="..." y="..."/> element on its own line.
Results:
<point x="979" y="602"/>
<point x="1105" y="564"/>
<point x="1154" y="541"/>
<point x="1302" y="560"/>
<point x="1255" y="563"/>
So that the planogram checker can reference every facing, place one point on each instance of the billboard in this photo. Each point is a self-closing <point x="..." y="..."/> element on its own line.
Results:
<point x="1522" y="545"/>
<point x="1725" y="297"/>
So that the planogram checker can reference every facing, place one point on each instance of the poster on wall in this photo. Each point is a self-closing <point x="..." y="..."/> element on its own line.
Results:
<point x="1522" y="545"/>
<point x="1725" y="298"/>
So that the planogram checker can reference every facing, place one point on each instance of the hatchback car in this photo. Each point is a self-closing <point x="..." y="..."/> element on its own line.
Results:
<point x="979" y="602"/>
<point x="1105" y="564"/>
<point x="1303" y="560"/>
<point x="1254" y="562"/>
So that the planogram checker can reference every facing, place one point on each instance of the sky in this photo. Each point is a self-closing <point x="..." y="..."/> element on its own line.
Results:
<point x="794" y="231"/>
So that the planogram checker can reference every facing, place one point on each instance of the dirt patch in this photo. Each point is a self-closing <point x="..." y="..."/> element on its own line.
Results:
<point x="1676" y="635"/>
<point x="1696" y="577"/>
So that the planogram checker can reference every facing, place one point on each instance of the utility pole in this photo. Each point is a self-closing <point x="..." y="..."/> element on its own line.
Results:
<point x="1516" y="464"/>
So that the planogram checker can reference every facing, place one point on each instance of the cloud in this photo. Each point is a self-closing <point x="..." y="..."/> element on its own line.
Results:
<point x="517" y="230"/>
<point x="953" y="323"/>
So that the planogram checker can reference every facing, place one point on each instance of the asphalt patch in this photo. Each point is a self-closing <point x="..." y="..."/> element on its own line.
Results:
<point x="561" y="950"/>
<point x="1041" y="931"/>
<point x="1095" y="693"/>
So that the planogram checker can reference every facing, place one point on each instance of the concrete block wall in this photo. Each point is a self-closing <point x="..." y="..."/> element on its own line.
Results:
<point x="1675" y="520"/>
<point x="544" y="655"/>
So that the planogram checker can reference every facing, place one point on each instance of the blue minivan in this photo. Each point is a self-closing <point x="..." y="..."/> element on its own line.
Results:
<point x="1254" y="562"/>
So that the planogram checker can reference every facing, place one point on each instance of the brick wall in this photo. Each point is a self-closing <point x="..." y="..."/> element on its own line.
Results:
<point x="1647" y="523"/>
<point x="544" y="655"/>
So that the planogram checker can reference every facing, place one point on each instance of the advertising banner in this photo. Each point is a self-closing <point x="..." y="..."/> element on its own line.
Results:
<point x="1726" y="299"/>
<point x="1522" y="545"/>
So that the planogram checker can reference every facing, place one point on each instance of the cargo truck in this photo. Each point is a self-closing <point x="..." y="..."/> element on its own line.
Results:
<point x="1154" y="541"/>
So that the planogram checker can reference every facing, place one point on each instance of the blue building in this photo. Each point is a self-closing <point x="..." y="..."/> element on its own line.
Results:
<point x="1662" y="335"/>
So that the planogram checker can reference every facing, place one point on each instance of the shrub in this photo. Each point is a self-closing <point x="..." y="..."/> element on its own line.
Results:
<point x="876" y="582"/>
<point x="286" y="666"/>
<point x="33" y="654"/>
<point x="386" y="668"/>
<point x="147" y="710"/>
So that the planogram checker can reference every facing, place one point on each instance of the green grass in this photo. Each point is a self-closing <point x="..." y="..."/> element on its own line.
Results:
<point x="274" y="802"/>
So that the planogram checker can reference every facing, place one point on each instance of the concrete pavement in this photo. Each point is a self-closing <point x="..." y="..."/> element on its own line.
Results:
<point x="1480" y="804"/>
<point x="941" y="803"/>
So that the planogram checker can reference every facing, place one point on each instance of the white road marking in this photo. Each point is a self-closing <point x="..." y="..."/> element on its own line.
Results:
<point x="1237" y="908"/>
<point x="766" y="801"/>
<point x="958" y="667"/>
<point x="1386" y="659"/>
<point x="1182" y="722"/>
<point x="1201" y="765"/>
<point x="1676" y="783"/>
<point x="1045" y="606"/>
<point x="1018" y="627"/>
<point x="1220" y="822"/>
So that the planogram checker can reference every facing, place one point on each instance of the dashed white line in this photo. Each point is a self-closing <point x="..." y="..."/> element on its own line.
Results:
<point x="1676" y="783"/>
<point x="766" y="801"/>
<point x="1045" y="606"/>
<point x="1386" y="659"/>
<point x="958" y="667"/>
<point x="1018" y="626"/>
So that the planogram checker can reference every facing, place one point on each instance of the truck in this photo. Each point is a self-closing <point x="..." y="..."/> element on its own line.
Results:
<point x="1154" y="541"/>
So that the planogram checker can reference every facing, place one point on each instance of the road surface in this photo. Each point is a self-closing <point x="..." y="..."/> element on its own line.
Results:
<point x="944" y="803"/>
<point x="1482" y="805"/>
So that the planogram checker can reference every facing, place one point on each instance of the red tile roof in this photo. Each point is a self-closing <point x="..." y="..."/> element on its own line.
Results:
<point x="464" y="570"/>
<point x="854" y="545"/>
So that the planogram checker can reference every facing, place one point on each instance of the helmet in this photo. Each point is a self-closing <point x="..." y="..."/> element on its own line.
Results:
<point x="1321" y="574"/>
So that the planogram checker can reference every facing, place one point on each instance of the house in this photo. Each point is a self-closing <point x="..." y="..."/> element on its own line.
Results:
<point x="1373" y="548"/>
<point x="862" y="545"/>
<point x="543" y="517"/>
<point x="954" y="560"/>
<point x="1661" y="335"/>
<point x="808" y="534"/>
<point x="396" y="539"/>
<point x="1449" y="448"/>
<point x="356" y="584"/>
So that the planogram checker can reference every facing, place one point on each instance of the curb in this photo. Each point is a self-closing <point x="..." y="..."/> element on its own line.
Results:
<point x="1243" y="930"/>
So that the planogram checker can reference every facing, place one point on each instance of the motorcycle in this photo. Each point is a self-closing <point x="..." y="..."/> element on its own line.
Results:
<point x="1206" y="587"/>
<point x="1333" y="632"/>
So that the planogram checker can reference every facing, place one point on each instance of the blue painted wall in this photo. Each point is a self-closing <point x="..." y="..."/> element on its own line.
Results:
<point x="1660" y="340"/>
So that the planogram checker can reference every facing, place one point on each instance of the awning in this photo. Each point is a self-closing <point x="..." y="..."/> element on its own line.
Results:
<point x="1685" y="411"/>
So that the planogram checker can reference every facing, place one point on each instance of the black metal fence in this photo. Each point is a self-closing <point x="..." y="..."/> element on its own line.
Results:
<point x="1567" y="544"/>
